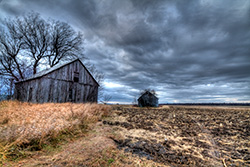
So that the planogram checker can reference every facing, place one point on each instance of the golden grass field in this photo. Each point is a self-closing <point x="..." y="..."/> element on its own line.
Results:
<point x="32" y="125"/>
<point x="69" y="134"/>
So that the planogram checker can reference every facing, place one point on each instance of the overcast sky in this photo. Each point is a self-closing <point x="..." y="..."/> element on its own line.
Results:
<point x="187" y="51"/>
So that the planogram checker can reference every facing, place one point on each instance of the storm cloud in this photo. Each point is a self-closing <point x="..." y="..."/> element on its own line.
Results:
<point x="188" y="51"/>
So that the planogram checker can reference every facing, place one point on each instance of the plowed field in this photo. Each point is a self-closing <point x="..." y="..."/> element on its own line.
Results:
<point x="185" y="135"/>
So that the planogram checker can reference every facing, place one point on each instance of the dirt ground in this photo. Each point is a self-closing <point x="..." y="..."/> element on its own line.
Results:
<point x="185" y="135"/>
<point x="96" y="148"/>
<point x="164" y="136"/>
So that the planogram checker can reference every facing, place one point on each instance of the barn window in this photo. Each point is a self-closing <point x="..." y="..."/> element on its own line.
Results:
<point x="76" y="76"/>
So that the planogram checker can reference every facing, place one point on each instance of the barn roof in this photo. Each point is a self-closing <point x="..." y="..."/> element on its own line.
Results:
<point x="56" y="67"/>
<point x="147" y="92"/>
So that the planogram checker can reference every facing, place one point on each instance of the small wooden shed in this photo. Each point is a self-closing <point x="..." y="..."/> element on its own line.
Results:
<point x="67" y="82"/>
<point x="148" y="99"/>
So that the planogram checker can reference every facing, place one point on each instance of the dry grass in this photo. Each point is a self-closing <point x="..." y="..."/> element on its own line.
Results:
<point x="26" y="125"/>
<point x="95" y="148"/>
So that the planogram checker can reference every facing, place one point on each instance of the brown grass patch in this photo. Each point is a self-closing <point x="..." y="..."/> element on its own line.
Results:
<point x="26" y="125"/>
<point x="95" y="148"/>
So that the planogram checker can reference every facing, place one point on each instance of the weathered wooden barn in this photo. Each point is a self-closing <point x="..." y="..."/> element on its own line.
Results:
<point x="148" y="99"/>
<point x="67" y="82"/>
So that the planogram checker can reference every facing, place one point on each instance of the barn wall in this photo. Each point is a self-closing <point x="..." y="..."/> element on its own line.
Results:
<point x="59" y="86"/>
<point x="147" y="100"/>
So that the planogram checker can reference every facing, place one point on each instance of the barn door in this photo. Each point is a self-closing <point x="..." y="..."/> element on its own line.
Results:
<point x="30" y="95"/>
<point x="71" y="92"/>
<point x="75" y="92"/>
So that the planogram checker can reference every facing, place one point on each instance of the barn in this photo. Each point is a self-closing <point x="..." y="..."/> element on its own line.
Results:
<point x="67" y="82"/>
<point x="148" y="99"/>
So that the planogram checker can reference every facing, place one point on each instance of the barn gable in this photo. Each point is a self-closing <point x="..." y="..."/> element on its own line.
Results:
<point x="58" y="67"/>
<point x="68" y="82"/>
<point x="148" y="99"/>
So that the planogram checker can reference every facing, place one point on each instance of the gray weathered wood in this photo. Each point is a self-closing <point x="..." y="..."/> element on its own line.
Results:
<point x="148" y="100"/>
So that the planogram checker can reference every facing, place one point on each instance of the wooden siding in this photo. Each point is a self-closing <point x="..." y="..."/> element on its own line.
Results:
<point x="59" y="86"/>
<point x="148" y="100"/>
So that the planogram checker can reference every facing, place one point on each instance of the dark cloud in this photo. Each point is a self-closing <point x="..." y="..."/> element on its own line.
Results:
<point x="188" y="51"/>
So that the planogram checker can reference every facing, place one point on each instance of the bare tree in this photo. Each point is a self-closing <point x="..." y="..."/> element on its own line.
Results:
<point x="65" y="43"/>
<point x="28" y="41"/>
<point x="99" y="77"/>
<point x="106" y="98"/>
<point x="10" y="46"/>
<point x="35" y="37"/>
<point x="134" y="102"/>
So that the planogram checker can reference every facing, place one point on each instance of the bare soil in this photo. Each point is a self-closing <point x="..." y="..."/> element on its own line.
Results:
<point x="185" y="136"/>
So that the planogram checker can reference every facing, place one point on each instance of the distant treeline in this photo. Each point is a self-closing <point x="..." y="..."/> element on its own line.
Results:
<point x="209" y="104"/>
